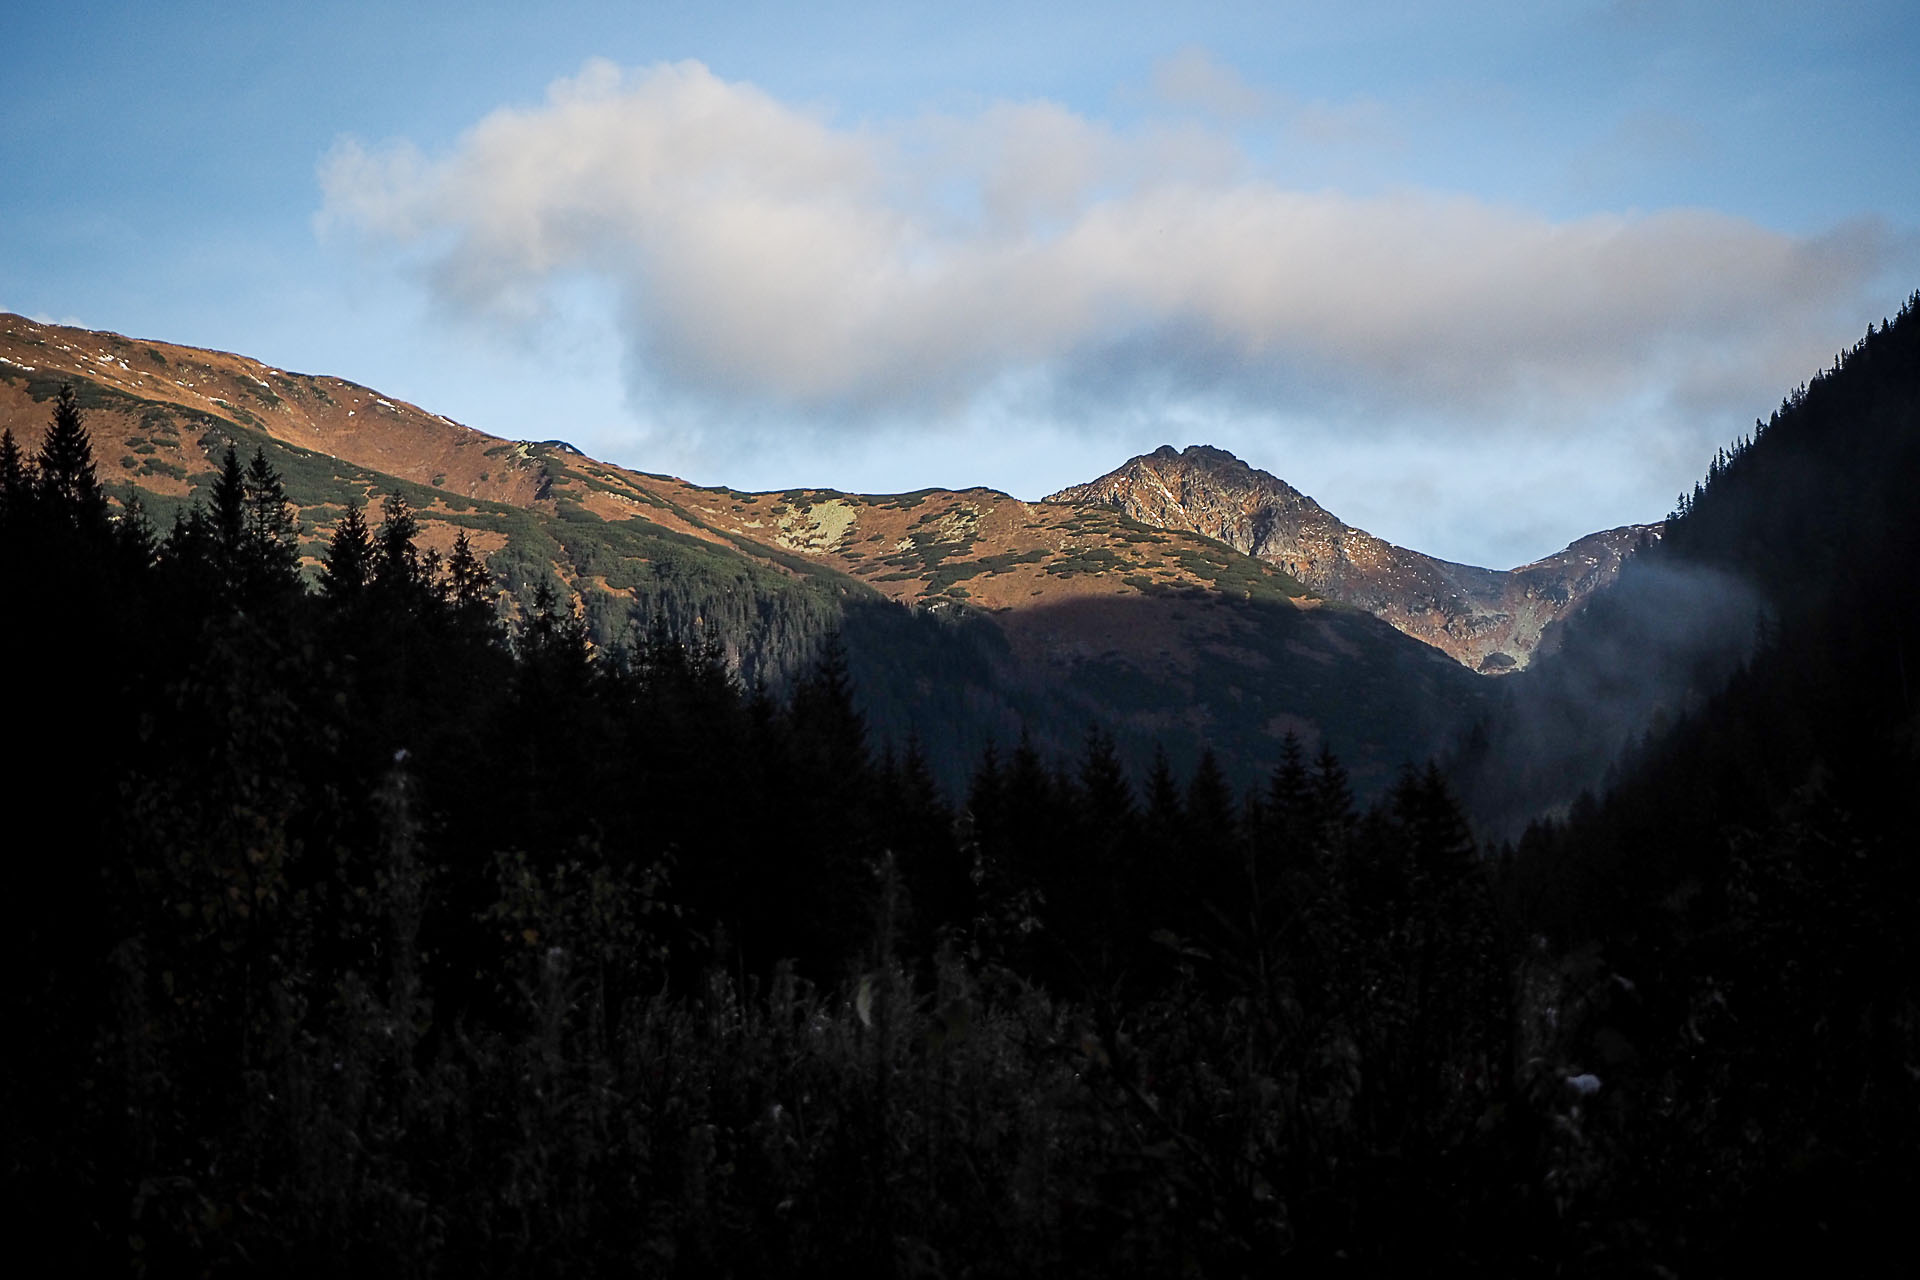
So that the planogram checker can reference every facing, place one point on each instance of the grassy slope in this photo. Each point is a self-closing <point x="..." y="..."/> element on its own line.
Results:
<point x="1048" y="616"/>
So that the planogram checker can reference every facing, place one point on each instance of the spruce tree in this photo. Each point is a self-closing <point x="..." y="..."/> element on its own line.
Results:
<point x="1332" y="795"/>
<point x="189" y="554"/>
<point x="470" y="588"/>
<point x="133" y="532"/>
<point x="16" y="481"/>
<point x="1166" y="814"/>
<point x="67" y="482"/>
<point x="1212" y="845"/>
<point x="982" y="825"/>
<point x="831" y="730"/>
<point x="396" y="566"/>
<point x="1289" y="791"/>
<point x="272" y="533"/>
<point x="229" y="517"/>
<point x="348" y="562"/>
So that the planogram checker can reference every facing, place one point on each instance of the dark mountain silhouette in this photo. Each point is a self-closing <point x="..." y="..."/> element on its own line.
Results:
<point x="1724" y="912"/>
<point x="1793" y="554"/>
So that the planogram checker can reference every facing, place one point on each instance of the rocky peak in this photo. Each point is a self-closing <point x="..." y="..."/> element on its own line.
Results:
<point x="1490" y="620"/>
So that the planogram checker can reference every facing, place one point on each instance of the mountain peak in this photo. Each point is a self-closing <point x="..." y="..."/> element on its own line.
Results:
<point x="1215" y="493"/>
<point x="1486" y="619"/>
<point x="1192" y="455"/>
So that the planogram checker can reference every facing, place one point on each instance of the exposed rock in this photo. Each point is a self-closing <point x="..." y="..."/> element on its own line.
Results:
<point x="1488" y="619"/>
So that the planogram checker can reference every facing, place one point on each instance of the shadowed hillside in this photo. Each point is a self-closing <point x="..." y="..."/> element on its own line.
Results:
<point x="969" y="616"/>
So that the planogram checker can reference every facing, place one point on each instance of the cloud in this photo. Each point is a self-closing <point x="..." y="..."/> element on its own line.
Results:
<point x="770" y="259"/>
<point x="1193" y="79"/>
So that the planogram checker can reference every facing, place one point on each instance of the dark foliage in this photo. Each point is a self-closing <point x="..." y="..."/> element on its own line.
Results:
<point x="361" y="935"/>
<point x="1725" y="911"/>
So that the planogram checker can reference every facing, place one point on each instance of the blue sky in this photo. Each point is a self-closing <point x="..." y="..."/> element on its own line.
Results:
<point x="1480" y="278"/>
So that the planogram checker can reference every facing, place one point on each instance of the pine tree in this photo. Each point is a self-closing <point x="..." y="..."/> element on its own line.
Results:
<point x="1166" y="815"/>
<point x="831" y="729"/>
<point x="1332" y="795"/>
<point x="133" y="532"/>
<point x="920" y="834"/>
<point x="188" y="555"/>
<point x="470" y="588"/>
<point x="348" y="562"/>
<point x="1210" y="839"/>
<point x="555" y="654"/>
<point x="229" y="517"/>
<point x="67" y="482"/>
<point x="984" y="817"/>
<point x="272" y="533"/>
<point x="398" y="572"/>
<point x="1289" y="791"/>
<point x="16" y="481"/>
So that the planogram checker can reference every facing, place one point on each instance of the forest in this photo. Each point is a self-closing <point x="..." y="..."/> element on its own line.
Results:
<point x="360" y="929"/>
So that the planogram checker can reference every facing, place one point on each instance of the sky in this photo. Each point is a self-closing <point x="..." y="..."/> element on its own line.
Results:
<point x="1480" y="277"/>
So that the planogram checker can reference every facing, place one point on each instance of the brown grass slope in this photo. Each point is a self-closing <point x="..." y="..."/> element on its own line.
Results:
<point x="1157" y="629"/>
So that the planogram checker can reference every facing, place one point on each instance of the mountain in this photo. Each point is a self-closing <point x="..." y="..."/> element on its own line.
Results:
<point x="969" y="613"/>
<point x="1487" y="619"/>
<point x="1733" y="899"/>
<point x="357" y="925"/>
<point x="1794" y="559"/>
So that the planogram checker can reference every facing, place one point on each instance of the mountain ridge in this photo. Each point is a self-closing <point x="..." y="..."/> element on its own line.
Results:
<point x="1490" y="620"/>
<point x="971" y="607"/>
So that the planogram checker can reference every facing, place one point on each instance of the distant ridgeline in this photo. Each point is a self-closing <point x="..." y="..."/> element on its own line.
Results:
<point x="967" y="617"/>
<point x="362" y="928"/>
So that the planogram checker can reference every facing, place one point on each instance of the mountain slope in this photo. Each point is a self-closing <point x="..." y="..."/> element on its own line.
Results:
<point x="968" y="613"/>
<point x="1796" y="553"/>
<point x="1487" y="619"/>
<point x="1733" y="903"/>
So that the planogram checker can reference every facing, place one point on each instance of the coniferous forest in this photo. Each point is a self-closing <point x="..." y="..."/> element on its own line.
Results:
<point x="355" y="928"/>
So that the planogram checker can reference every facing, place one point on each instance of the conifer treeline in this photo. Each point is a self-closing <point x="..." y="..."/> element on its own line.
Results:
<point x="357" y="931"/>
<point x="1737" y="903"/>
<point x="358" y="924"/>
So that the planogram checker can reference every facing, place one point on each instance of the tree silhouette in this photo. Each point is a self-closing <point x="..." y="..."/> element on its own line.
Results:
<point x="16" y="481"/>
<point x="272" y="532"/>
<point x="348" y="563"/>
<point x="67" y="482"/>
<point x="470" y="590"/>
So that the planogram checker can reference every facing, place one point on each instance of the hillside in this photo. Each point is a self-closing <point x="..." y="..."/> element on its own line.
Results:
<point x="1796" y="553"/>
<point x="1732" y="899"/>
<point x="1488" y="619"/>
<point x="1045" y="616"/>
<point x="365" y="924"/>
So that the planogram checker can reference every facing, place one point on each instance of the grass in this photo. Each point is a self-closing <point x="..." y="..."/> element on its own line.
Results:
<point x="1088" y="560"/>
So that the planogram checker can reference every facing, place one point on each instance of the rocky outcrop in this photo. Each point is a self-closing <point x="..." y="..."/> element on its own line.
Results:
<point x="1491" y="620"/>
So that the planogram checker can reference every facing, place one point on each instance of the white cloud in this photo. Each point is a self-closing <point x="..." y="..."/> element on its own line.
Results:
<point x="1192" y="78"/>
<point x="771" y="260"/>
